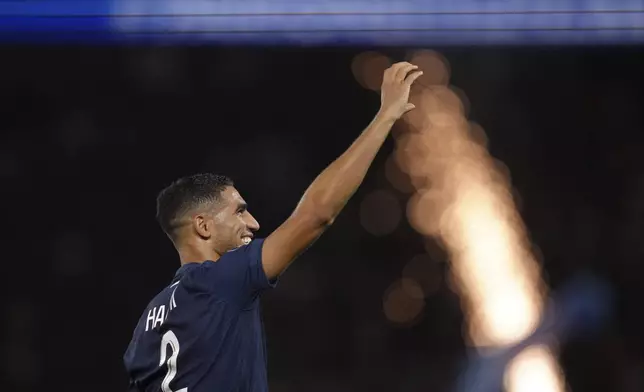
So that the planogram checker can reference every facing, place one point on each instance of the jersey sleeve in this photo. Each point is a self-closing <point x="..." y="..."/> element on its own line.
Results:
<point x="237" y="276"/>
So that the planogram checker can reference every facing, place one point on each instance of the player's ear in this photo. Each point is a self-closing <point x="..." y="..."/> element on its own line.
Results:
<point x="202" y="225"/>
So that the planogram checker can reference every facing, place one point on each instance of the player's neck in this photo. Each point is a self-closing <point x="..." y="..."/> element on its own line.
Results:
<point x="195" y="254"/>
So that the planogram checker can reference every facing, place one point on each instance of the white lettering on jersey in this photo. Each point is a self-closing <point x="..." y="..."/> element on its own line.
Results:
<point x="151" y="316"/>
<point x="173" y="303"/>
<point x="160" y="316"/>
<point x="157" y="315"/>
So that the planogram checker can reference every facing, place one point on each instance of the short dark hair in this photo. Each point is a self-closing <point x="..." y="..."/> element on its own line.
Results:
<point x="185" y="194"/>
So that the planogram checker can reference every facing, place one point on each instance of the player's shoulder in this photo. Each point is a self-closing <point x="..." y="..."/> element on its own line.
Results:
<point x="227" y="270"/>
<point x="163" y="295"/>
<point x="251" y="251"/>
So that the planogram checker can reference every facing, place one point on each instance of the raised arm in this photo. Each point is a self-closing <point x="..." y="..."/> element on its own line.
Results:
<point x="328" y="194"/>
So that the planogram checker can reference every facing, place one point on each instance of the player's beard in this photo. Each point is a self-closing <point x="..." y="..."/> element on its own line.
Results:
<point x="239" y="243"/>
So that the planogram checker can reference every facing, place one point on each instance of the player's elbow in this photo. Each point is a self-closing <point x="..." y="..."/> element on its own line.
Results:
<point x="325" y="221"/>
<point x="315" y="212"/>
<point x="320" y="219"/>
<point x="315" y="215"/>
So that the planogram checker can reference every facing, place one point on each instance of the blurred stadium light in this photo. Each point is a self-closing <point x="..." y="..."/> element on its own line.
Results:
<point x="580" y="308"/>
<point x="332" y="22"/>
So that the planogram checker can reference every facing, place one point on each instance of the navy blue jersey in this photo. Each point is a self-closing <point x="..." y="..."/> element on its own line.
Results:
<point x="204" y="333"/>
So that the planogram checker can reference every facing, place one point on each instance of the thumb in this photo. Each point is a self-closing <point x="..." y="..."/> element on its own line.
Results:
<point x="409" y="107"/>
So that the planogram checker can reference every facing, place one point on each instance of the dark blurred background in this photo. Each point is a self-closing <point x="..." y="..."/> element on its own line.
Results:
<point x="89" y="135"/>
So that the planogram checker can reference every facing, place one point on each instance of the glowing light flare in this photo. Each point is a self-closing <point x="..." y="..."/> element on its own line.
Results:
<point x="441" y="100"/>
<point x="403" y="302"/>
<point x="368" y="69"/>
<point x="410" y="152"/>
<point x="474" y="213"/>
<point x="436" y="70"/>
<point x="463" y="197"/>
<point x="534" y="370"/>
<point x="423" y="273"/>
<point x="396" y="177"/>
<point x="463" y="99"/>
<point x="433" y="101"/>
<point x="426" y="204"/>
<point x="478" y="135"/>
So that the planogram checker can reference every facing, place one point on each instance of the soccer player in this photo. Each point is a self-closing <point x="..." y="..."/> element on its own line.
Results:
<point x="203" y="332"/>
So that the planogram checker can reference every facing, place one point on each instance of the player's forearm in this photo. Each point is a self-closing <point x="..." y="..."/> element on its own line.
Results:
<point x="331" y="190"/>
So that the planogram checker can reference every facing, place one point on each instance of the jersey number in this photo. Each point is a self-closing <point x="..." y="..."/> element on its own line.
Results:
<point x="169" y="338"/>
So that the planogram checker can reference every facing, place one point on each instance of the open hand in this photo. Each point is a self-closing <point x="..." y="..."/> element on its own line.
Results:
<point x="394" y="92"/>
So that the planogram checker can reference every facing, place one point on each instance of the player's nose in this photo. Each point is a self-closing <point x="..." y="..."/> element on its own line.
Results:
<point x="252" y="223"/>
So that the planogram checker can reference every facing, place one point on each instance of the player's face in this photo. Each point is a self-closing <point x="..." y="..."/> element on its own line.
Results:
<point x="234" y="225"/>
